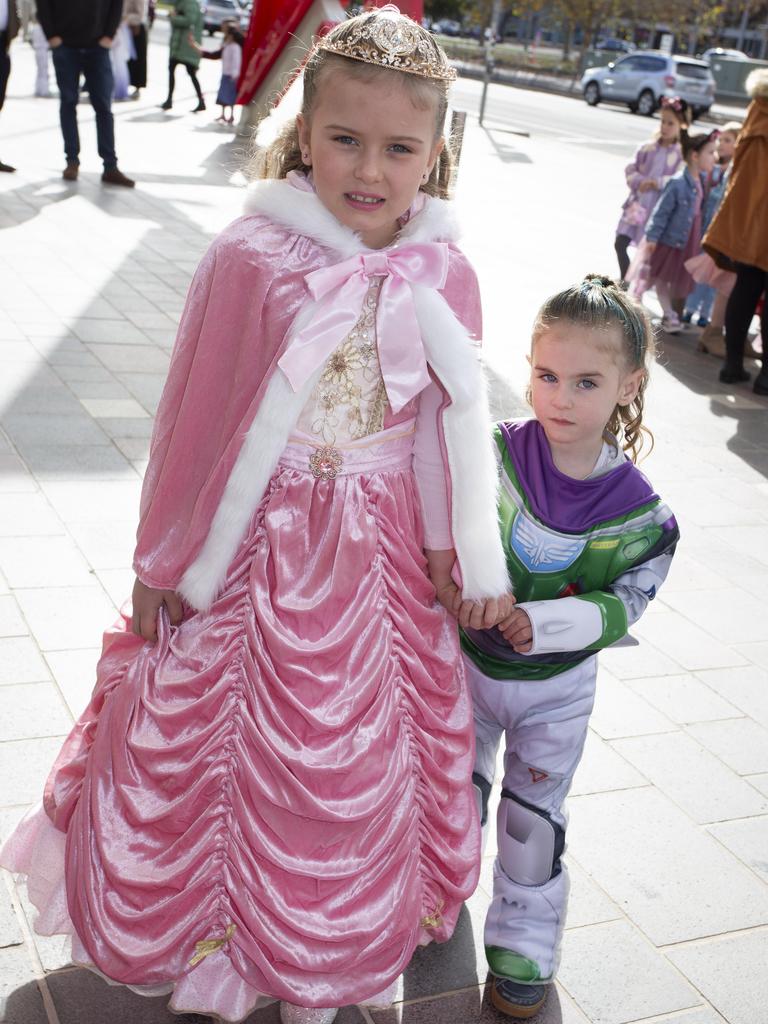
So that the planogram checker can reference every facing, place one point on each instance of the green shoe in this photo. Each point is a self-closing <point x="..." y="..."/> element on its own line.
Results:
<point x="505" y="963"/>
<point x="516" y="1000"/>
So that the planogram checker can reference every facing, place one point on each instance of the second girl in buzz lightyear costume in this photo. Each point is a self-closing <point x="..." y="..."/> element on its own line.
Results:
<point x="588" y="543"/>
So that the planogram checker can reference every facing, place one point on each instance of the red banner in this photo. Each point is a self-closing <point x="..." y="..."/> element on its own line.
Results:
<point x="272" y="25"/>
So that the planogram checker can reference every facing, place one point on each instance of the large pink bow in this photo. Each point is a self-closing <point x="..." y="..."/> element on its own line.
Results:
<point x="340" y="291"/>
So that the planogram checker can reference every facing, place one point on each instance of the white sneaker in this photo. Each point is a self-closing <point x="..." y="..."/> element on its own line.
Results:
<point x="290" y="1014"/>
<point x="671" y="324"/>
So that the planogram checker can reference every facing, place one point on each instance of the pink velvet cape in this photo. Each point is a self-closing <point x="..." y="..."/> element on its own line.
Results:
<point x="242" y="302"/>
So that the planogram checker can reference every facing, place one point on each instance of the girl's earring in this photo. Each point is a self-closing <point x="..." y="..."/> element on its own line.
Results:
<point x="307" y="159"/>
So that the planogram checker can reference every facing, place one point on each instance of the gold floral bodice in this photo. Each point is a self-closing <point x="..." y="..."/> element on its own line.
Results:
<point x="349" y="400"/>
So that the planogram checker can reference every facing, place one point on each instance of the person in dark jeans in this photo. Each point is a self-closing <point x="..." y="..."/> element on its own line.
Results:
<point x="9" y="26"/>
<point x="80" y="34"/>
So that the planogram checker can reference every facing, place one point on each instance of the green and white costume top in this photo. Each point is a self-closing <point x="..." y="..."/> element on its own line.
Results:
<point x="584" y="556"/>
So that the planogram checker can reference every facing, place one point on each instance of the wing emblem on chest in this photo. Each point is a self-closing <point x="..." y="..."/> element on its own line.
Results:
<point x="542" y="551"/>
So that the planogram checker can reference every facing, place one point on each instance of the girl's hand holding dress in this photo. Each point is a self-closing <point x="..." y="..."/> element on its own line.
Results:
<point x="147" y="602"/>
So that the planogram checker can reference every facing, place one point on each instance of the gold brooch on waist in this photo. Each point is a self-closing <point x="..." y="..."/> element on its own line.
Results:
<point x="324" y="462"/>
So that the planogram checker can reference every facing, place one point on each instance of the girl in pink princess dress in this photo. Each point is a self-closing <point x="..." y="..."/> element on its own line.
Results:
<point x="269" y="795"/>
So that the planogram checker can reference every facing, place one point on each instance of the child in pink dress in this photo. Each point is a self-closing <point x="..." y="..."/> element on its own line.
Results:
<point x="269" y="795"/>
<point x="654" y="163"/>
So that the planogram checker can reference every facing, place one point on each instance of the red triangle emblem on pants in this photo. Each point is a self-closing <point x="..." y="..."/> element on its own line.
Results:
<point x="538" y="776"/>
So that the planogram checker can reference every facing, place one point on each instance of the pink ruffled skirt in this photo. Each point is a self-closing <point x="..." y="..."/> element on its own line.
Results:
<point x="274" y="801"/>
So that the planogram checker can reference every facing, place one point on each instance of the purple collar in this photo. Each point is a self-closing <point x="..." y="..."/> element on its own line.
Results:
<point x="559" y="501"/>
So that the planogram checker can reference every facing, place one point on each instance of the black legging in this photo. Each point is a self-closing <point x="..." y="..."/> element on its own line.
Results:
<point x="191" y="71"/>
<point x="751" y="283"/>
<point x="620" y="245"/>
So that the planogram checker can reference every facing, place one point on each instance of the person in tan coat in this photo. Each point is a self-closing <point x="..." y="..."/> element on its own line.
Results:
<point x="737" y="239"/>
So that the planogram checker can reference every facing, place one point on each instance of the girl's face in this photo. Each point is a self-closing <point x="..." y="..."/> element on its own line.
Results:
<point x="577" y="380"/>
<point x="369" y="149"/>
<point x="725" y="146"/>
<point x="703" y="161"/>
<point x="669" y="130"/>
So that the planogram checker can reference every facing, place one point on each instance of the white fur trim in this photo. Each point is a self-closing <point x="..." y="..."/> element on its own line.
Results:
<point x="256" y="462"/>
<point x="303" y="213"/>
<point x="467" y="428"/>
<point x="467" y="421"/>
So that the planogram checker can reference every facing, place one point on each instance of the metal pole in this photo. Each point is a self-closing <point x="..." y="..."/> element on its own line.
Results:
<point x="490" y="36"/>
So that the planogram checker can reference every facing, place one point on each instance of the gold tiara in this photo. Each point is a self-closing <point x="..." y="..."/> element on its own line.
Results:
<point x="389" y="39"/>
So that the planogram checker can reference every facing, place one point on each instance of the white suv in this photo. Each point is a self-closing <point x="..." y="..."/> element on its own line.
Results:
<point x="641" y="79"/>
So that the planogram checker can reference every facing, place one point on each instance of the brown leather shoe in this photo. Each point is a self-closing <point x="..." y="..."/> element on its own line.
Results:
<point x="115" y="177"/>
<point x="71" y="171"/>
<point x="7" y="168"/>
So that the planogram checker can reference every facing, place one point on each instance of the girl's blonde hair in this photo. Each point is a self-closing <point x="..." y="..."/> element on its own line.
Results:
<point x="599" y="303"/>
<point x="284" y="154"/>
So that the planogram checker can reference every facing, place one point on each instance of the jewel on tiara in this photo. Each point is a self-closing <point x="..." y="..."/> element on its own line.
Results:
<point x="387" y="38"/>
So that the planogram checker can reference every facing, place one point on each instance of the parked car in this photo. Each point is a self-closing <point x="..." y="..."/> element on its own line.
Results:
<point x="216" y="11"/>
<point x="641" y="79"/>
<point x="718" y="51"/>
<point x="446" y="27"/>
<point x="615" y="45"/>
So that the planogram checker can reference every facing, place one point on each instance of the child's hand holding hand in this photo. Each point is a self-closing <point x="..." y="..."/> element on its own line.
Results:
<point x="147" y="603"/>
<point x="484" y="614"/>
<point x="647" y="185"/>
<point x="517" y="630"/>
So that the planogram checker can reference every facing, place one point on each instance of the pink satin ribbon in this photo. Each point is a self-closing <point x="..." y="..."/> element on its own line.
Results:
<point x="340" y="290"/>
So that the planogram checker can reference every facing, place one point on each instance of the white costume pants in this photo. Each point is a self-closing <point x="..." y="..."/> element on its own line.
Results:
<point x="545" y="726"/>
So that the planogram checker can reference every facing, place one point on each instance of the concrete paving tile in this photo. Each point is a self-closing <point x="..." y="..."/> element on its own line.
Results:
<point x="136" y="428"/>
<point x="21" y="661"/>
<point x="80" y="997"/>
<point x="637" y="662"/>
<point x="692" y="777"/>
<point x="10" y="932"/>
<point x="751" y="541"/>
<point x="606" y="969"/>
<point x="118" y="583"/>
<point x="473" y="1006"/>
<point x="44" y="562"/>
<point x="602" y="769"/>
<point x="620" y="712"/>
<point x="12" y="622"/>
<point x="587" y="903"/>
<point x="108" y="332"/>
<point x="54" y="951"/>
<point x="699" y="1015"/>
<point x="731" y="615"/>
<point x="125" y="357"/>
<point x="134" y="448"/>
<point x="748" y="840"/>
<point x="32" y="710"/>
<point x="73" y="306"/>
<point x="641" y="850"/>
<point x="110" y="408"/>
<point x="66" y="618"/>
<point x="26" y="429"/>
<point x="757" y="653"/>
<point x="20" y="999"/>
<point x="745" y="688"/>
<point x="153" y="319"/>
<point x="14" y="475"/>
<point x="165" y="339"/>
<point x="99" y="389"/>
<point x="741" y="743"/>
<point x="47" y="401"/>
<point x="684" y="698"/>
<point x="106" y="545"/>
<point x="28" y="515"/>
<point x="688" y="573"/>
<point x="24" y="767"/>
<point x="760" y="782"/>
<point x="78" y="462"/>
<point x="690" y="646"/>
<point x="730" y="973"/>
<point x="94" y="502"/>
<point x="96" y="372"/>
<point x="18" y="352"/>
<point x="75" y="675"/>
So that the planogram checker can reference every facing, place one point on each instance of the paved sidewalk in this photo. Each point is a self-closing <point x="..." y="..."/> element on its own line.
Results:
<point x="669" y="814"/>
